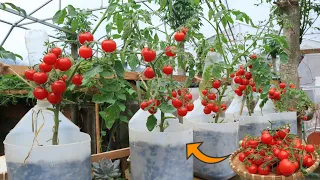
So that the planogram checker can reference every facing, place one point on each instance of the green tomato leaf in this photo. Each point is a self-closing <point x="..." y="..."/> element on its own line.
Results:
<point x="58" y="18"/>
<point x="96" y="69"/>
<point x="123" y="119"/>
<point x="151" y="122"/>
<point x="133" y="61"/>
<point x="119" y="68"/>
<point x="121" y="106"/>
<point x="74" y="25"/>
<point x="110" y="114"/>
<point x="102" y="98"/>
<point x="71" y="11"/>
<point x="167" y="108"/>
<point x="122" y="96"/>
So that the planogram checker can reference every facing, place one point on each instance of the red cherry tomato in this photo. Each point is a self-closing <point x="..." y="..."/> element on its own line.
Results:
<point x="29" y="74"/>
<point x="40" y="93"/>
<point x="63" y="64"/>
<point x="50" y="59"/>
<point x="58" y="87"/>
<point x="182" y="111"/>
<point x="253" y="169"/>
<point x="184" y="30"/>
<point x="85" y="37"/>
<point x="45" y="67"/>
<point x="169" y="51"/>
<point x="264" y="170"/>
<point x="143" y="105"/>
<point x="54" y="98"/>
<point x="174" y="93"/>
<point x="253" y="56"/>
<point x="242" y="156"/>
<point x="40" y="77"/>
<point x="286" y="167"/>
<point x="309" y="148"/>
<point x="223" y="107"/>
<point x="308" y="162"/>
<point x="148" y="55"/>
<point x="57" y="51"/>
<point x="167" y="70"/>
<point x="85" y="52"/>
<point x="283" y="155"/>
<point x="149" y="73"/>
<point x="206" y="110"/>
<point x="205" y="92"/>
<point x="212" y="96"/>
<point x="77" y="80"/>
<point x="204" y="102"/>
<point x="282" y="85"/>
<point x="188" y="96"/>
<point x="238" y="80"/>
<point x="248" y="75"/>
<point x="266" y="138"/>
<point x="108" y="45"/>
<point x="179" y="36"/>
<point x="216" y="84"/>
<point x="190" y="107"/>
<point x="177" y="103"/>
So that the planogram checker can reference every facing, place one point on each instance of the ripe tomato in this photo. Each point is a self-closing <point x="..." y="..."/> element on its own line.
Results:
<point x="154" y="102"/>
<point x="50" y="59"/>
<point x="58" y="87"/>
<point x="304" y="118"/>
<point x="57" y="51"/>
<point x="77" y="79"/>
<point x="179" y="36"/>
<point x="174" y="93"/>
<point x="296" y="165"/>
<point x="63" y="78"/>
<point x="266" y="138"/>
<point x="216" y="84"/>
<point x="211" y="49"/>
<point x="211" y="106"/>
<point x="277" y="95"/>
<point x="63" y="64"/>
<point x="205" y="92"/>
<point x="283" y="133"/>
<point x="242" y="87"/>
<point x="265" y="132"/>
<point x="29" y="74"/>
<point x="40" y="77"/>
<point x="212" y="96"/>
<point x="85" y="37"/>
<point x="232" y="75"/>
<point x="54" y="98"/>
<point x="278" y="171"/>
<point x="253" y="56"/>
<point x="169" y="50"/>
<point x="206" y="110"/>
<point x="167" y="70"/>
<point x="248" y="75"/>
<point x="40" y="93"/>
<point x="286" y="167"/>
<point x="108" y="45"/>
<point x="45" y="67"/>
<point x="85" y="52"/>
<point x="152" y="110"/>
<point x="276" y="152"/>
<point x="271" y="92"/>
<point x="223" y="107"/>
<point x="254" y="89"/>
<point x="253" y="169"/>
<point x="216" y="109"/>
<point x="244" y="82"/>
<point x="263" y="170"/>
<point x="248" y="151"/>
<point x="282" y="85"/>
<point x="240" y="72"/>
<point x="144" y="105"/>
<point x="188" y="96"/>
<point x="177" y="103"/>
<point x="190" y="107"/>
<point x="149" y="73"/>
<point x="238" y="80"/>
<point x="148" y="54"/>
<point x="308" y="162"/>
<point x="309" y="148"/>
<point x="204" y="102"/>
<point x="253" y="143"/>
<point x="283" y="155"/>
<point x="242" y="156"/>
<point x="182" y="111"/>
<point x="184" y="30"/>
<point x="258" y="160"/>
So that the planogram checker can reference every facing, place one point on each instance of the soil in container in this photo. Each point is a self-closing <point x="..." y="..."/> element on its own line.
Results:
<point x="314" y="138"/>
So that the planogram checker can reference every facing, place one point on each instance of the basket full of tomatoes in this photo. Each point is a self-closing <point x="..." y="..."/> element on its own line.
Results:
<point x="276" y="154"/>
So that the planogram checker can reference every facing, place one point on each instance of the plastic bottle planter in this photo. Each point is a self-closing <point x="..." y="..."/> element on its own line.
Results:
<point x="219" y="139"/>
<point x="254" y="125"/>
<point x="68" y="161"/>
<point x="160" y="155"/>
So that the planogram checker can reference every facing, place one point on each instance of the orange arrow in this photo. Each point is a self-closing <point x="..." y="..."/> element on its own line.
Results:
<point x="193" y="149"/>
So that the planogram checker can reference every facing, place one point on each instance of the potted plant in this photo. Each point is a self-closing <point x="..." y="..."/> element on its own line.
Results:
<point x="157" y="138"/>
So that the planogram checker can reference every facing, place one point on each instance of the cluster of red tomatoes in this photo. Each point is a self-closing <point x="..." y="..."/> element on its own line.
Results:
<point x="244" y="78"/>
<point x="209" y="99"/>
<point x="150" y="55"/>
<point x="181" y="100"/>
<point x="107" y="45"/>
<point x="275" y="93"/>
<point x="275" y="151"/>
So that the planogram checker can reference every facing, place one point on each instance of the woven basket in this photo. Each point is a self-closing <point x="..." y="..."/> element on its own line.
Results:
<point x="239" y="168"/>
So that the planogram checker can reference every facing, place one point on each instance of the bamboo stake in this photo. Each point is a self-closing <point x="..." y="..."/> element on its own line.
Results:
<point x="97" y="128"/>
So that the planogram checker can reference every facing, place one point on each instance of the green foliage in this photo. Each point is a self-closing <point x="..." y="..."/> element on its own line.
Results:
<point x="20" y="10"/>
<point x="8" y="55"/>
<point x="151" y="122"/>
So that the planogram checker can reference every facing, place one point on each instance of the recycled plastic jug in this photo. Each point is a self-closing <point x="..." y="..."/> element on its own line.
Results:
<point x="30" y="154"/>
<point x="266" y="109"/>
<point x="35" y="43"/>
<point x="159" y="155"/>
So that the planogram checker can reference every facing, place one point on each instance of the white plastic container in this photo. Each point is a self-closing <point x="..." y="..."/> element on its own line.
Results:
<point x="35" y="43"/>
<point x="219" y="139"/>
<point x="235" y="106"/>
<point x="159" y="155"/>
<point x="266" y="109"/>
<point x="30" y="157"/>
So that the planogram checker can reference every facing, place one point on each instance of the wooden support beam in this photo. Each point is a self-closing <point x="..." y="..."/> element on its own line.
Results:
<point x="116" y="154"/>
<point x="310" y="51"/>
